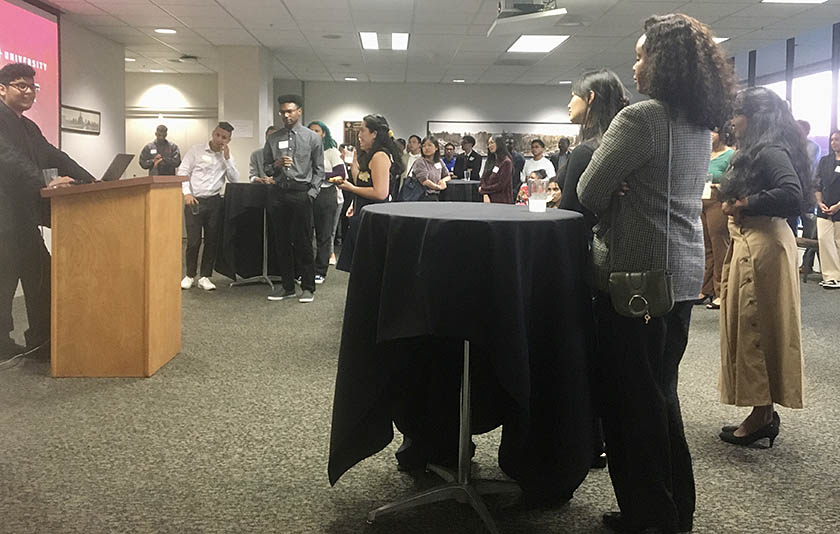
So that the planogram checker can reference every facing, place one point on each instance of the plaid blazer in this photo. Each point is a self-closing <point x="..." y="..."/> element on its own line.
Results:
<point x="631" y="231"/>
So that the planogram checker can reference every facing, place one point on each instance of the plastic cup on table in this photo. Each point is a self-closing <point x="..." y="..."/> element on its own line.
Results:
<point x="537" y="194"/>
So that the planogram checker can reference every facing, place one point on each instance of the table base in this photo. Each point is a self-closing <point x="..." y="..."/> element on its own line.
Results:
<point x="263" y="278"/>
<point x="459" y="486"/>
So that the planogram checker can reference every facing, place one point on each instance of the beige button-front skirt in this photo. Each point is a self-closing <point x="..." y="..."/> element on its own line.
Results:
<point x="760" y="316"/>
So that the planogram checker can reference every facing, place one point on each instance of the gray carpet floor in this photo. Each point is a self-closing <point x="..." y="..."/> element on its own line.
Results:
<point x="232" y="436"/>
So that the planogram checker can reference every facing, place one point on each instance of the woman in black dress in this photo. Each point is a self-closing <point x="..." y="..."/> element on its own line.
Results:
<point x="371" y="173"/>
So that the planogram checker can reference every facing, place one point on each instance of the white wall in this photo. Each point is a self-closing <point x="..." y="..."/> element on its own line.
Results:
<point x="187" y="104"/>
<point x="93" y="77"/>
<point x="408" y="106"/>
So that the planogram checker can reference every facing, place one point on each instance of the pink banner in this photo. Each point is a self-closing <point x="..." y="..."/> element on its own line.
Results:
<point x="32" y="39"/>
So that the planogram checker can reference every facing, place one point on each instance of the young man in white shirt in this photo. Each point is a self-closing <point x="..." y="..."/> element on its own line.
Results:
<point x="538" y="162"/>
<point x="207" y="166"/>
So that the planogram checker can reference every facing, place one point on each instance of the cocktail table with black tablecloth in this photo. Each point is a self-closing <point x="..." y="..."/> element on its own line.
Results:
<point x="427" y="276"/>
<point x="242" y="237"/>
<point x="461" y="191"/>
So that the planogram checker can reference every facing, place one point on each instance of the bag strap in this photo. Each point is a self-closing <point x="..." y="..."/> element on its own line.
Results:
<point x="668" y="217"/>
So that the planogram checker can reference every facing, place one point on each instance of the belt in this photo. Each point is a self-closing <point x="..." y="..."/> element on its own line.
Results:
<point x="293" y="185"/>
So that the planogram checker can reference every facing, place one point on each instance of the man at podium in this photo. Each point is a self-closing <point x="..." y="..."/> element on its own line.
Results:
<point x="24" y="153"/>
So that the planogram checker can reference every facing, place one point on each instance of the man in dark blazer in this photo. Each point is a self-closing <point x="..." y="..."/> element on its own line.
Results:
<point x="24" y="152"/>
<point x="468" y="160"/>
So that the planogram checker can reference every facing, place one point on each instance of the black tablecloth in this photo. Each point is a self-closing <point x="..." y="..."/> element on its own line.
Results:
<point x="461" y="191"/>
<point x="509" y="281"/>
<point x="242" y="234"/>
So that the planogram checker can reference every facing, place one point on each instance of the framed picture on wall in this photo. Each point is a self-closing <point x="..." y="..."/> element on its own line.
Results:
<point x="351" y="132"/>
<point x="522" y="133"/>
<point x="80" y="120"/>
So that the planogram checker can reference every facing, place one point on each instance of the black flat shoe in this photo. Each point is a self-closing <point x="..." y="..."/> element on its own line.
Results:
<point x="702" y="300"/>
<point x="732" y="428"/>
<point x="769" y="431"/>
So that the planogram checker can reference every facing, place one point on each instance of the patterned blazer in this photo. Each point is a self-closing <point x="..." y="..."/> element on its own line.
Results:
<point x="631" y="231"/>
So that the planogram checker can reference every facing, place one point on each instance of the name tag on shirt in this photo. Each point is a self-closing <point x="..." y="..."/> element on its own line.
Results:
<point x="153" y="151"/>
<point x="837" y="168"/>
<point x="283" y="145"/>
<point x="496" y="169"/>
<point x="437" y="166"/>
<point x="472" y="158"/>
<point x="207" y="158"/>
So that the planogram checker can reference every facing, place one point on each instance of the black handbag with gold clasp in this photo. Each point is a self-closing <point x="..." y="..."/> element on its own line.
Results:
<point x="646" y="293"/>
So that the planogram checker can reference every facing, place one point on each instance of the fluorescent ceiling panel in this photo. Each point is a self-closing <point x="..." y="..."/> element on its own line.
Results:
<point x="537" y="44"/>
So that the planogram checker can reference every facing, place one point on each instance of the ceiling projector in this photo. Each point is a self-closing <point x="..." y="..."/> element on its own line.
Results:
<point x="525" y="16"/>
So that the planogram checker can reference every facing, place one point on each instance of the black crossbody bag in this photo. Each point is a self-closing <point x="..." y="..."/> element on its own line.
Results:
<point x="646" y="293"/>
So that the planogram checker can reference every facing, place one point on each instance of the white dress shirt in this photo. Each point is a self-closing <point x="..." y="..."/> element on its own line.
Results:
<point x="533" y="164"/>
<point x="206" y="171"/>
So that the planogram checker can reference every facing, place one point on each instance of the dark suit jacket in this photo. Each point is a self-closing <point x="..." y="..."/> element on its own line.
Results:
<point x="462" y="162"/>
<point x="25" y="151"/>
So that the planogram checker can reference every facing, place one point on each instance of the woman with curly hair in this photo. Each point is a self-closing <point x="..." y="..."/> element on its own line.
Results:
<point x="372" y="172"/>
<point x="644" y="185"/>
<point x="760" y="321"/>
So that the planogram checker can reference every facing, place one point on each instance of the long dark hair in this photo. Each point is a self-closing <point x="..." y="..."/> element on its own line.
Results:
<point x="383" y="142"/>
<point x="432" y="140"/>
<point x="610" y="98"/>
<point x="687" y="70"/>
<point x="769" y="123"/>
<point x="496" y="157"/>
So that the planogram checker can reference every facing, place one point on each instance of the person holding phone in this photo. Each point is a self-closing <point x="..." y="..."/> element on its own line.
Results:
<point x="207" y="166"/>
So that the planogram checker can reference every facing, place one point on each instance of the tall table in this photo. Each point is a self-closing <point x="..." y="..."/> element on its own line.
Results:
<point x="461" y="191"/>
<point x="427" y="277"/>
<point x="247" y="241"/>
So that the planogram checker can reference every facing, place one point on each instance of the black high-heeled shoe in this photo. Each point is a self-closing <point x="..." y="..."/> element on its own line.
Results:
<point x="733" y="428"/>
<point x="769" y="431"/>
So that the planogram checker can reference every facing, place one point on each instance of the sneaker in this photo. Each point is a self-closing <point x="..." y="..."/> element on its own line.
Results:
<point x="187" y="282"/>
<point x="333" y="261"/>
<point x="319" y="279"/>
<point x="306" y="296"/>
<point x="298" y="279"/>
<point x="205" y="284"/>
<point x="281" y="294"/>
<point x="831" y="284"/>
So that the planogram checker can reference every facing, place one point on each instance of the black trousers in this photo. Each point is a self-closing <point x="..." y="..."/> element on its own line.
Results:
<point x="809" y="230"/>
<point x="209" y="219"/>
<point x="649" y="461"/>
<point x="24" y="257"/>
<point x="291" y="217"/>
<point x="323" y="212"/>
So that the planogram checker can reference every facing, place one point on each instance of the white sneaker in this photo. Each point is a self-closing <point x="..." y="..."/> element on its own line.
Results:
<point x="831" y="284"/>
<point x="319" y="279"/>
<point x="187" y="282"/>
<point x="205" y="284"/>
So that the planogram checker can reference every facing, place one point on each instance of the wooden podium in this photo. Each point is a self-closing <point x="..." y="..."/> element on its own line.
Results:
<point x="116" y="267"/>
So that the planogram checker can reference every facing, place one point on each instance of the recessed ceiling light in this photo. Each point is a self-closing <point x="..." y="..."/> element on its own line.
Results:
<point x="399" y="41"/>
<point x="129" y="59"/>
<point x="537" y="43"/>
<point x="457" y="81"/>
<point x="719" y="40"/>
<point x="565" y="82"/>
<point x="351" y="79"/>
<point x="793" y="1"/>
<point x="165" y="30"/>
<point x="369" y="40"/>
<point x="156" y="70"/>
